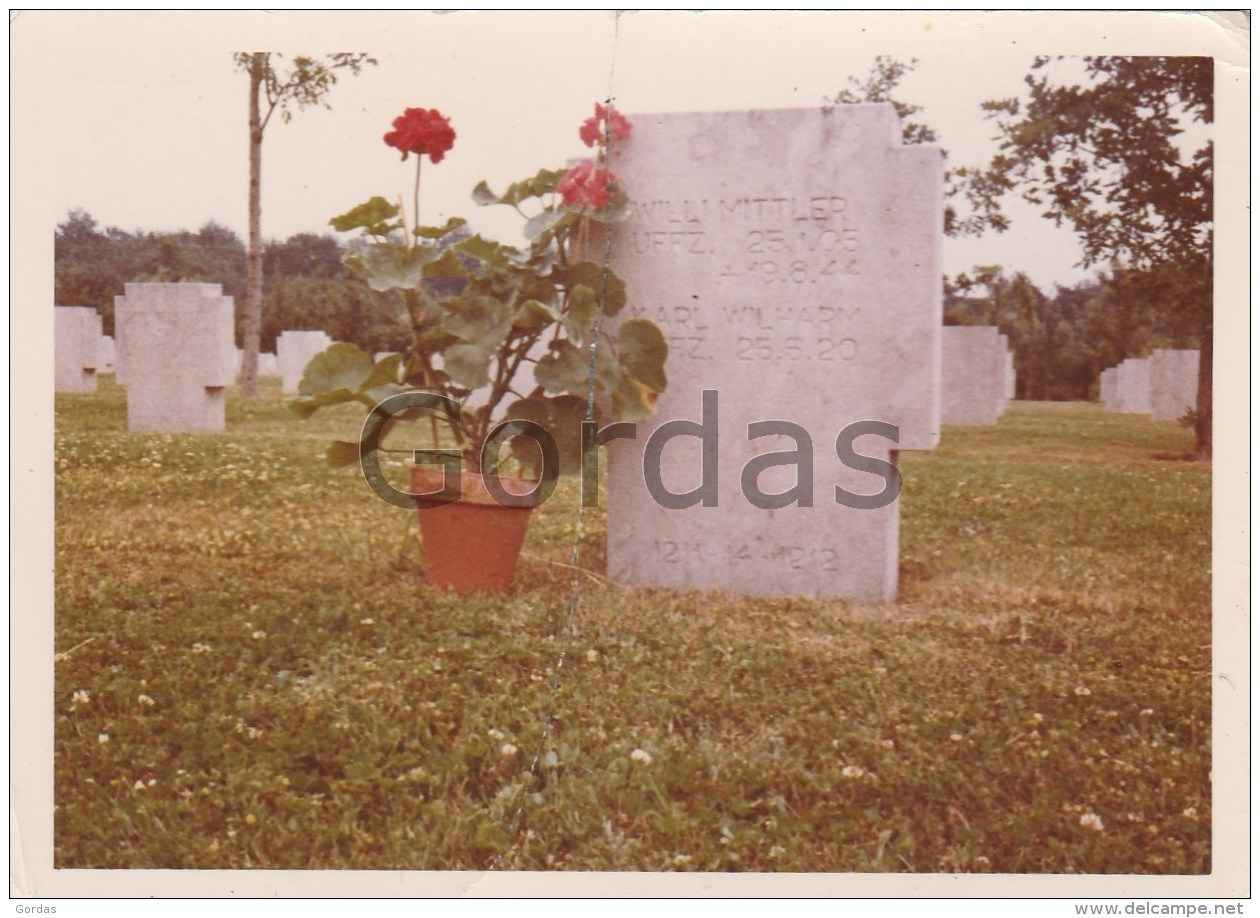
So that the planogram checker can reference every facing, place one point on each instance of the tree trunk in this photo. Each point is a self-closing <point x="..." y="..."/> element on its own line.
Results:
<point x="1203" y="404"/>
<point x="253" y="279"/>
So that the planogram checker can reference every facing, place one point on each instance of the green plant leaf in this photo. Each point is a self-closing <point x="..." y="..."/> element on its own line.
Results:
<point x="565" y="369"/>
<point x="609" y="288"/>
<point x="632" y="400"/>
<point x="544" y="182"/>
<point x="437" y="232"/>
<point x="340" y="366"/>
<point x="643" y="352"/>
<point x="540" y="224"/>
<point x="342" y="453"/>
<point x="481" y="320"/>
<point x="448" y="264"/>
<point x="532" y="314"/>
<point x="391" y="267"/>
<point x="580" y="316"/>
<point x="567" y="414"/>
<point x="490" y="253"/>
<point x="467" y="365"/>
<point x="562" y="418"/>
<point x="386" y="370"/>
<point x="529" y="409"/>
<point x="374" y="216"/>
<point x="482" y="195"/>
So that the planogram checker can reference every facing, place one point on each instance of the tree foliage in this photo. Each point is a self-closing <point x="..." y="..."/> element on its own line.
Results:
<point x="1119" y="151"/>
<point x="305" y="284"/>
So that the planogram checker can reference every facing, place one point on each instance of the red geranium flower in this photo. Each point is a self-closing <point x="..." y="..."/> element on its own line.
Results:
<point x="420" y="131"/>
<point x="592" y="132"/>
<point x="586" y="185"/>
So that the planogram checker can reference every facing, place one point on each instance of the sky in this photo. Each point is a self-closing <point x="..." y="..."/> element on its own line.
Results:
<point x="139" y="118"/>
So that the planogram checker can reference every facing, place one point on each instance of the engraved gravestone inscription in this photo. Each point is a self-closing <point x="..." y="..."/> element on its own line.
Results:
<point x="792" y="260"/>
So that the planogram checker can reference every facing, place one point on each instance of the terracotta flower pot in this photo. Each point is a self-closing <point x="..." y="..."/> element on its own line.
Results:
<point x="471" y="545"/>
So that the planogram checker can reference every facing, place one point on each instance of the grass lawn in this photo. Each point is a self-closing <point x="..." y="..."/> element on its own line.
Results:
<point x="251" y="672"/>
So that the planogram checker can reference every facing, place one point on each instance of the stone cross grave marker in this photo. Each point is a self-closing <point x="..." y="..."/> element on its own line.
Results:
<point x="294" y="350"/>
<point x="792" y="258"/>
<point x="77" y="348"/>
<point x="176" y="344"/>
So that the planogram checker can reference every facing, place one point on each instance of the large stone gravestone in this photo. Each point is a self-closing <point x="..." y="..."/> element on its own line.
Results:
<point x="1133" y="386"/>
<point x="294" y="350"/>
<point x="76" y="348"/>
<point x="175" y="343"/>
<point x="793" y="260"/>
<point x="1174" y="383"/>
<point x="973" y="374"/>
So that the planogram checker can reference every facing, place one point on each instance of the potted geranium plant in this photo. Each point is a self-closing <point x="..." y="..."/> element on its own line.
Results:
<point x="480" y="313"/>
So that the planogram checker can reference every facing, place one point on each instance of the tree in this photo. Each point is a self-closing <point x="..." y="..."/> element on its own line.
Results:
<point x="879" y="86"/>
<point x="1114" y="153"/>
<point x="305" y="84"/>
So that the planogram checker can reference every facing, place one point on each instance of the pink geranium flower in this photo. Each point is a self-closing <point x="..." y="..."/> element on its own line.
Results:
<point x="586" y="185"/>
<point x="593" y="129"/>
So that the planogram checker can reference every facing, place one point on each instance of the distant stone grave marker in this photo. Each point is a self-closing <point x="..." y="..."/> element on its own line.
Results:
<point x="76" y="348"/>
<point x="1174" y="383"/>
<point x="973" y="374"/>
<point x="294" y="350"/>
<point x="793" y="260"/>
<point x="1133" y="386"/>
<point x="1107" y="393"/>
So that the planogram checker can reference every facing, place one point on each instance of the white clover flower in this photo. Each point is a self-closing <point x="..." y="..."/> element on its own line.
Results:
<point x="776" y="850"/>
<point x="496" y="735"/>
<point x="102" y="738"/>
<point x="1081" y="690"/>
<point x="641" y="756"/>
<point x="592" y="655"/>
<point x="139" y="785"/>
<point x="681" y="859"/>
<point x="82" y="696"/>
<point x="145" y="701"/>
<point x="200" y="648"/>
<point x="956" y="737"/>
<point x="507" y="750"/>
<point x="1092" y="821"/>
<point x="1190" y="812"/>
<point x="1146" y="712"/>
<point x="853" y="771"/>
<point x="259" y="635"/>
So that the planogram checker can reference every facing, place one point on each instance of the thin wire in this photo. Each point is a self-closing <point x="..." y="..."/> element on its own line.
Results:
<point x="575" y="555"/>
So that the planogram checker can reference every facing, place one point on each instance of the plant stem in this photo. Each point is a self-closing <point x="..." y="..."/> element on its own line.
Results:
<point x="415" y="205"/>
